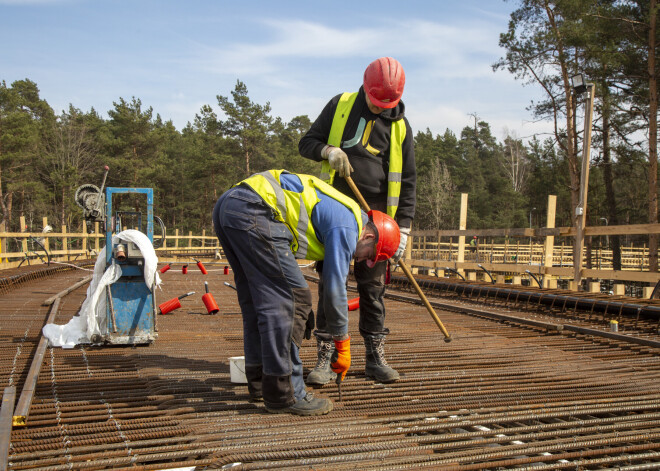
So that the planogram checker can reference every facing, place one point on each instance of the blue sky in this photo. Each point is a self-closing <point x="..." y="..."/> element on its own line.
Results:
<point x="176" y="56"/>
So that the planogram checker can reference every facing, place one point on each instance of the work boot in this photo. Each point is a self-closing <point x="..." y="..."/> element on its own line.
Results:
<point x="322" y="373"/>
<point x="376" y="366"/>
<point x="309" y="405"/>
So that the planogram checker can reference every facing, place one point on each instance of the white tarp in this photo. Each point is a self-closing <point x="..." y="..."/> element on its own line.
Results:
<point x="91" y="319"/>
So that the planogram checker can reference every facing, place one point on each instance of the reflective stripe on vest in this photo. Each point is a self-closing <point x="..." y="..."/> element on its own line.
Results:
<point x="294" y="209"/>
<point x="397" y="136"/>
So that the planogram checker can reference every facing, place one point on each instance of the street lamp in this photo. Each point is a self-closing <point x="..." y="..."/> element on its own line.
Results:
<point x="579" y="84"/>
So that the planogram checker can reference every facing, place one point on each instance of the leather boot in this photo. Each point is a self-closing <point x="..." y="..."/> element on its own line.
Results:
<point x="376" y="366"/>
<point x="322" y="373"/>
<point x="277" y="391"/>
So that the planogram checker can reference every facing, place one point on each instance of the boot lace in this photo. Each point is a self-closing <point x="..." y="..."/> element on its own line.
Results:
<point x="325" y="350"/>
<point x="378" y="349"/>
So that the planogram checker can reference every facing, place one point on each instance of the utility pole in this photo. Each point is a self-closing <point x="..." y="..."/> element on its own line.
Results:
<point x="581" y="209"/>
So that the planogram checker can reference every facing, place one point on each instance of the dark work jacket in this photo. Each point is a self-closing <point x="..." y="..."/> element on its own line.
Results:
<point x="369" y="170"/>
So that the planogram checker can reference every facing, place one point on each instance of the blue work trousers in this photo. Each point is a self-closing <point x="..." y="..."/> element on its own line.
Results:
<point x="273" y="295"/>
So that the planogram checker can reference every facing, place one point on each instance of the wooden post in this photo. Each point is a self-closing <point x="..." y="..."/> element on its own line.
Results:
<point x="65" y="243"/>
<point x="46" y="239"/>
<point x="451" y="248"/>
<point x="424" y="248"/>
<point x="189" y="239"/>
<point x="24" y="241"/>
<point x="85" y="238"/>
<point x="96" y="239"/>
<point x="203" y="238"/>
<point x="549" y="240"/>
<point x="176" y="239"/>
<point x="462" y="227"/>
<point x="439" y="251"/>
<point x="3" y="240"/>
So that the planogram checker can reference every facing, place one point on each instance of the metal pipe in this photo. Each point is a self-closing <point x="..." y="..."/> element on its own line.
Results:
<point x="546" y="298"/>
<point x="487" y="272"/>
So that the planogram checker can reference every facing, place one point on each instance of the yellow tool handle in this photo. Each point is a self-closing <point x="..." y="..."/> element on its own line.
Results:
<point x="403" y="266"/>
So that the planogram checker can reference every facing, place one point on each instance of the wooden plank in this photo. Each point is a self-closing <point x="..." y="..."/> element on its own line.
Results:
<point x="462" y="225"/>
<point x="647" y="277"/>
<point x="630" y="229"/>
<point x="550" y="223"/>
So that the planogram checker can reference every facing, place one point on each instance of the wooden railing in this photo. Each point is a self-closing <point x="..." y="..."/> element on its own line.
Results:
<point x="20" y="248"/>
<point x="523" y="251"/>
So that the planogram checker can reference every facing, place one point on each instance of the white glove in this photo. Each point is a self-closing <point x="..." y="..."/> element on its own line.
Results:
<point x="405" y="232"/>
<point x="338" y="160"/>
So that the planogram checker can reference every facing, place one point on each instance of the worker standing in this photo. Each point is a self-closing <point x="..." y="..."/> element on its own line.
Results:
<point x="473" y="244"/>
<point x="365" y="135"/>
<point x="266" y="222"/>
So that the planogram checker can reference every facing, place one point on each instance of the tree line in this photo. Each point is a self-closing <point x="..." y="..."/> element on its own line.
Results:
<point x="45" y="156"/>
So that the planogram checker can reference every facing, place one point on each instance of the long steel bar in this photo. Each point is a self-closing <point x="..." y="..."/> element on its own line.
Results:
<point x="8" y="399"/>
<point x="71" y="288"/>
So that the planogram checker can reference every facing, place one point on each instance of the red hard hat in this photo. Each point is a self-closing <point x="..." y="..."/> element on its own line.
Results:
<point x="387" y="239"/>
<point x="383" y="82"/>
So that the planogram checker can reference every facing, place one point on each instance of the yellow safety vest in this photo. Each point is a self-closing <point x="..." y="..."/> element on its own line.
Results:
<point x="398" y="134"/>
<point x="295" y="209"/>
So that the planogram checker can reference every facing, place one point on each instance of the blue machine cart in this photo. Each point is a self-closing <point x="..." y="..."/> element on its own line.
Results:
<point x="131" y="307"/>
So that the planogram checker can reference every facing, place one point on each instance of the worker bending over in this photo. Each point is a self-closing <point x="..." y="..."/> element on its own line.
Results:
<point x="264" y="224"/>
<point x="365" y="135"/>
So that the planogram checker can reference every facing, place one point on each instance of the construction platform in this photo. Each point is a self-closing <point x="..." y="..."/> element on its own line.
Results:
<point x="501" y="395"/>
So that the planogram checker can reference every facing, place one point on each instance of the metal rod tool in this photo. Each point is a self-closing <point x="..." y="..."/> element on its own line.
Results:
<point x="403" y="266"/>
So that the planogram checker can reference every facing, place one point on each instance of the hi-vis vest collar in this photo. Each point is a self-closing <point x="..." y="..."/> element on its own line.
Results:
<point x="295" y="209"/>
<point x="397" y="136"/>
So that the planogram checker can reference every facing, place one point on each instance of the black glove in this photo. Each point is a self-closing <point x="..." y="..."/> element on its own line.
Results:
<point x="309" y="326"/>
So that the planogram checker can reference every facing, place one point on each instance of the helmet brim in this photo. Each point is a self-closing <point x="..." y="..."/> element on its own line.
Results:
<point x="383" y="104"/>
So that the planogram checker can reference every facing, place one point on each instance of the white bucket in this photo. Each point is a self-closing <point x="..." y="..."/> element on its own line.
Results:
<point x="237" y="370"/>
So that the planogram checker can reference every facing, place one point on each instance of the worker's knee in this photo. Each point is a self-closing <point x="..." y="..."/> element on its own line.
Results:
<point x="302" y="301"/>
